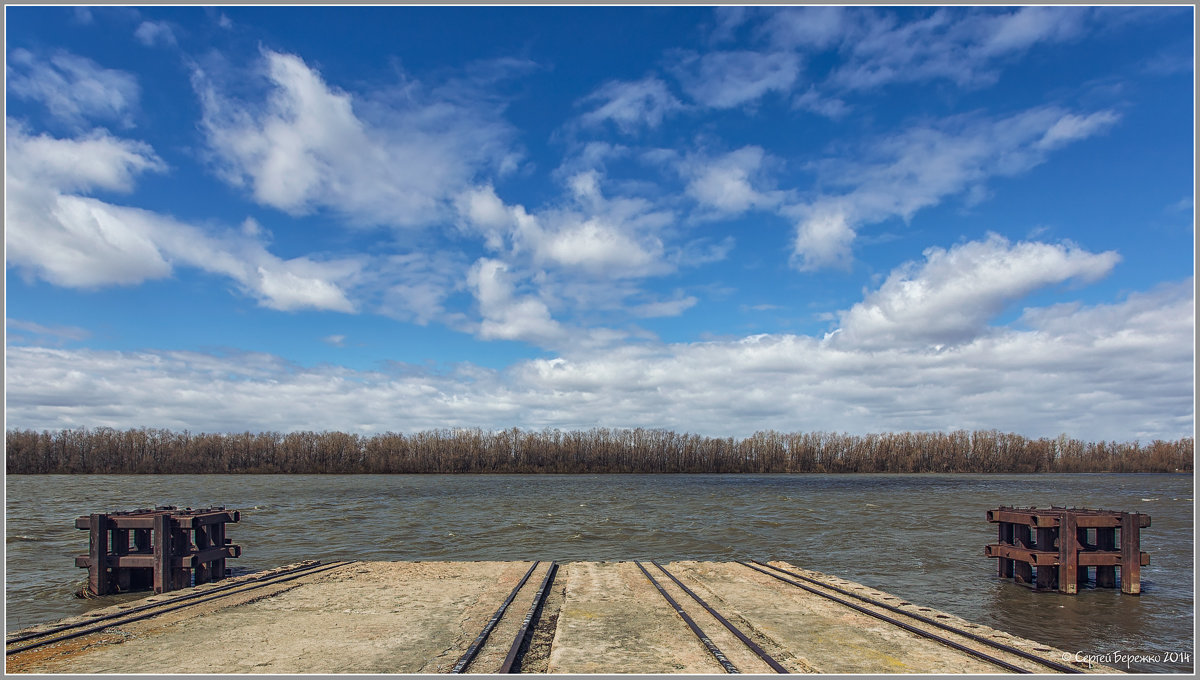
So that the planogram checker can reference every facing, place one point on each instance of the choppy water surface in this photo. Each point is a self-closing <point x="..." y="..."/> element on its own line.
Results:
<point x="918" y="536"/>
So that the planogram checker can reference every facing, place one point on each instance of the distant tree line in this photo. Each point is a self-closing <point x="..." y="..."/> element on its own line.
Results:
<point x="157" y="451"/>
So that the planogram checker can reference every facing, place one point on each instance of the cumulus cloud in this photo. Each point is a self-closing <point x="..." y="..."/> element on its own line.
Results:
<point x="55" y="232"/>
<point x="589" y="234"/>
<point x="631" y="105"/>
<point x="507" y="315"/>
<point x="724" y="80"/>
<point x="950" y="297"/>
<point x="1117" y="371"/>
<point x="920" y="167"/>
<point x="73" y="89"/>
<point x="309" y="146"/>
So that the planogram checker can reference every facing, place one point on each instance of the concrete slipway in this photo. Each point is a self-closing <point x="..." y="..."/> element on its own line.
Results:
<point x="597" y="617"/>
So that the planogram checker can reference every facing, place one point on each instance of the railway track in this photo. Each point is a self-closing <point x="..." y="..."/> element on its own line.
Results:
<point x="735" y="639"/>
<point x="30" y="640"/>
<point x="825" y="590"/>
<point x="520" y="643"/>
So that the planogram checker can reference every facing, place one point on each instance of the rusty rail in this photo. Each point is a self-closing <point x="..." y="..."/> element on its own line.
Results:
<point x="173" y="604"/>
<point x="933" y="622"/>
<point x="524" y="634"/>
<point x="707" y="641"/>
<point x="469" y="656"/>
<point x="883" y="617"/>
<point x="753" y="646"/>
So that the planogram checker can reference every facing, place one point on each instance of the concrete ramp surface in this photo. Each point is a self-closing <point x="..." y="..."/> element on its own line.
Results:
<point x="487" y="617"/>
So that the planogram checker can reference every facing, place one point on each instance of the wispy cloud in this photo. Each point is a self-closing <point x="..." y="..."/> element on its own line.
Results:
<point x="155" y="34"/>
<point x="723" y="80"/>
<point x="74" y="89"/>
<point x="56" y="334"/>
<point x="631" y="105"/>
<point x="308" y="147"/>
<point x="901" y="174"/>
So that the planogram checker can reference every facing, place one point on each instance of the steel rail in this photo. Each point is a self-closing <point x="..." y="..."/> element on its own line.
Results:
<point x="539" y="598"/>
<point x="933" y="622"/>
<point x="21" y="637"/>
<point x="167" y="606"/>
<point x="468" y="656"/>
<point x="762" y="654"/>
<point x="883" y="617"/>
<point x="708" y="643"/>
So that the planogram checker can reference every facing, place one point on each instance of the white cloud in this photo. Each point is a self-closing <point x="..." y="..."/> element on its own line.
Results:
<point x="661" y="308"/>
<point x="830" y="107"/>
<point x="1070" y="128"/>
<point x="310" y="147"/>
<point x="920" y="167"/>
<point x="335" y="340"/>
<point x="57" y="333"/>
<point x="506" y="315"/>
<point x="807" y="27"/>
<point x="726" y="183"/>
<point x="965" y="46"/>
<point x="591" y="234"/>
<point x="631" y="105"/>
<point x="155" y="34"/>
<point x="1028" y="26"/>
<point x="823" y="239"/>
<point x="73" y="89"/>
<point x="724" y="80"/>
<point x="950" y="298"/>
<point x="55" y="232"/>
<point x="1121" y="371"/>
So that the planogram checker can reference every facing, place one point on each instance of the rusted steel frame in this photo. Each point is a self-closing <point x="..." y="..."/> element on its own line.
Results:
<point x="539" y="598"/>
<point x="99" y="582"/>
<point x="137" y="561"/>
<point x="146" y="520"/>
<point x="160" y="538"/>
<point x="707" y="641"/>
<point x="162" y="608"/>
<point x="1068" y="555"/>
<point x="1036" y="558"/>
<point x="1045" y="558"/>
<point x="1005" y="538"/>
<point x="1047" y="577"/>
<point x="933" y="622"/>
<point x="1106" y="574"/>
<point x="1043" y="517"/>
<point x="762" y="654"/>
<point x="1131" y="553"/>
<point x="912" y="629"/>
<point x="469" y="655"/>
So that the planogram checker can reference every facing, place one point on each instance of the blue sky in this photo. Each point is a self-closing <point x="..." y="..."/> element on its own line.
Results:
<point x="716" y="220"/>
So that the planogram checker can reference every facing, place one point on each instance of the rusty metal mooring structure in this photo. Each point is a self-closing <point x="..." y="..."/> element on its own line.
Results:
<point x="170" y="546"/>
<point x="1062" y="544"/>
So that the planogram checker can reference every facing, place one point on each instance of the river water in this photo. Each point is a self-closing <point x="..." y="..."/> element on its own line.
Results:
<point x="919" y="536"/>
